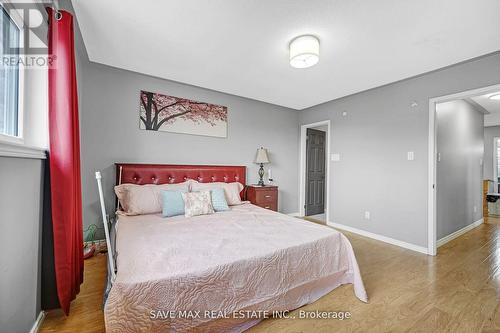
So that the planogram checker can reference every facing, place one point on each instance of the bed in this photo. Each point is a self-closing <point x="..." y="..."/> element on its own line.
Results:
<point x="222" y="272"/>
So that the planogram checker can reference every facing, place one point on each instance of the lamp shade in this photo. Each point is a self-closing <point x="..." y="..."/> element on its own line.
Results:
<point x="261" y="156"/>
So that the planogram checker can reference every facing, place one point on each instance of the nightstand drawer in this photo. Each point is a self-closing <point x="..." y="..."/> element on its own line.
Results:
<point x="262" y="197"/>
<point x="271" y="206"/>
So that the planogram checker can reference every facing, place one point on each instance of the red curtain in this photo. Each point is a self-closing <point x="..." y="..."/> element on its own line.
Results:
<point x="64" y="155"/>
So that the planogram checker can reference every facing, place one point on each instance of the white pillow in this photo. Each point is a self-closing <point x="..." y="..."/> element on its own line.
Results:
<point x="197" y="203"/>
<point x="144" y="199"/>
<point x="231" y="190"/>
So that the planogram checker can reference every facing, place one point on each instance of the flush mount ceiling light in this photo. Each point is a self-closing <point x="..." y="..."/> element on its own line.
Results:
<point x="495" y="97"/>
<point x="304" y="51"/>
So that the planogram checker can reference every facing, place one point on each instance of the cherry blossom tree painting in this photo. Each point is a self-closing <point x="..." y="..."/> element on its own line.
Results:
<point x="180" y="115"/>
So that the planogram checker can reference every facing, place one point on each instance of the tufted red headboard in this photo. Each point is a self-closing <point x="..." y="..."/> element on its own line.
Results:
<point x="170" y="173"/>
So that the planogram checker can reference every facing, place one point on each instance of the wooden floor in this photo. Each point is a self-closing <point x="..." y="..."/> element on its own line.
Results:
<point x="456" y="291"/>
<point x="312" y="219"/>
<point x="86" y="310"/>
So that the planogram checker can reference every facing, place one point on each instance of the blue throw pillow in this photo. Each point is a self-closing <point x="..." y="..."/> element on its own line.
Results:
<point x="219" y="200"/>
<point x="172" y="203"/>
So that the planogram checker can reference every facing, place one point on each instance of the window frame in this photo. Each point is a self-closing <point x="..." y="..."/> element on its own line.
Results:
<point x="18" y="21"/>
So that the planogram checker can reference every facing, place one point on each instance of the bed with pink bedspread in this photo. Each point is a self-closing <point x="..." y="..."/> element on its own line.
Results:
<point x="209" y="273"/>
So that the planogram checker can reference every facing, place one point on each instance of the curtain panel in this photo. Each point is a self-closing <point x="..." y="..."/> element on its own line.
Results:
<point x="64" y="159"/>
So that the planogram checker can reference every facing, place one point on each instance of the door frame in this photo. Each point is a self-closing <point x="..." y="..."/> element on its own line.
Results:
<point x="432" y="159"/>
<point x="302" y="167"/>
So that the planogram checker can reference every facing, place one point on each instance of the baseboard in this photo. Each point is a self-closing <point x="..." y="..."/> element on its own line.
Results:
<point x="297" y="214"/>
<point x="381" y="238"/>
<point x="38" y="322"/>
<point x="458" y="233"/>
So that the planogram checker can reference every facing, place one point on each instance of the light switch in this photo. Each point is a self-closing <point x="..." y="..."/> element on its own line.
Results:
<point x="411" y="156"/>
<point x="367" y="215"/>
<point x="344" y="113"/>
<point x="335" y="157"/>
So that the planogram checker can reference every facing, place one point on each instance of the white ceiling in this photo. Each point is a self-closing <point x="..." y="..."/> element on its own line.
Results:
<point x="491" y="106"/>
<point x="241" y="47"/>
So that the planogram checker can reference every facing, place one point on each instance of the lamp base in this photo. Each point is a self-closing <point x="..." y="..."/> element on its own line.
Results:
<point x="261" y="175"/>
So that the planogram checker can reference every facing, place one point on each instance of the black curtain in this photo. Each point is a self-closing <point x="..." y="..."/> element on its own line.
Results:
<point x="49" y="296"/>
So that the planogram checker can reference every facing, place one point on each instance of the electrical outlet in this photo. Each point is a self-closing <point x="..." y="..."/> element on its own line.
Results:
<point x="411" y="156"/>
<point x="367" y="215"/>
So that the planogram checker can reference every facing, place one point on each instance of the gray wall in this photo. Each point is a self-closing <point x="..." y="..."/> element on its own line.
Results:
<point x="109" y="120"/>
<point x="490" y="133"/>
<point x="460" y="145"/>
<point x="21" y="193"/>
<point x="373" y="140"/>
<point x="20" y="217"/>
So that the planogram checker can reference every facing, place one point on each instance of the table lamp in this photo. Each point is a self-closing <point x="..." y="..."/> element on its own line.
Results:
<point x="261" y="158"/>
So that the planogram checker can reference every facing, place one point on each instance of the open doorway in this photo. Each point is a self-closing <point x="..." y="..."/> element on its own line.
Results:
<point x="492" y="208"/>
<point x="314" y="171"/>
<point x="495" y="183"/>
<point x="459" y="168"/>
<point x="461" y="162"/>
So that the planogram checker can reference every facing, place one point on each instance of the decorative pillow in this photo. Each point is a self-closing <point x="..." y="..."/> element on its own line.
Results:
<point x="219" y="200"/>
<point x="231" y="190"/>
<point x="173" y="204"/>
<point x="197" y="203"/>
<point x="144" y="199"/>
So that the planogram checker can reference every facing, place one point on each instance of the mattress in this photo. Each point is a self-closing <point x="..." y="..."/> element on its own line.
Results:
<point x="219" y="272"/>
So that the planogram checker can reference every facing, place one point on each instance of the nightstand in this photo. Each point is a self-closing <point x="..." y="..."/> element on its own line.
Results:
<point x="263" y="196"/>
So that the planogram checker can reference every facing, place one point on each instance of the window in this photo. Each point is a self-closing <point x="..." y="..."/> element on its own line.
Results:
<point x="9" y="77"/>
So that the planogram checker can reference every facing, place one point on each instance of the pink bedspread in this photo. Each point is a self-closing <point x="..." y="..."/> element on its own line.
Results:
<point x="227" y="263"/>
